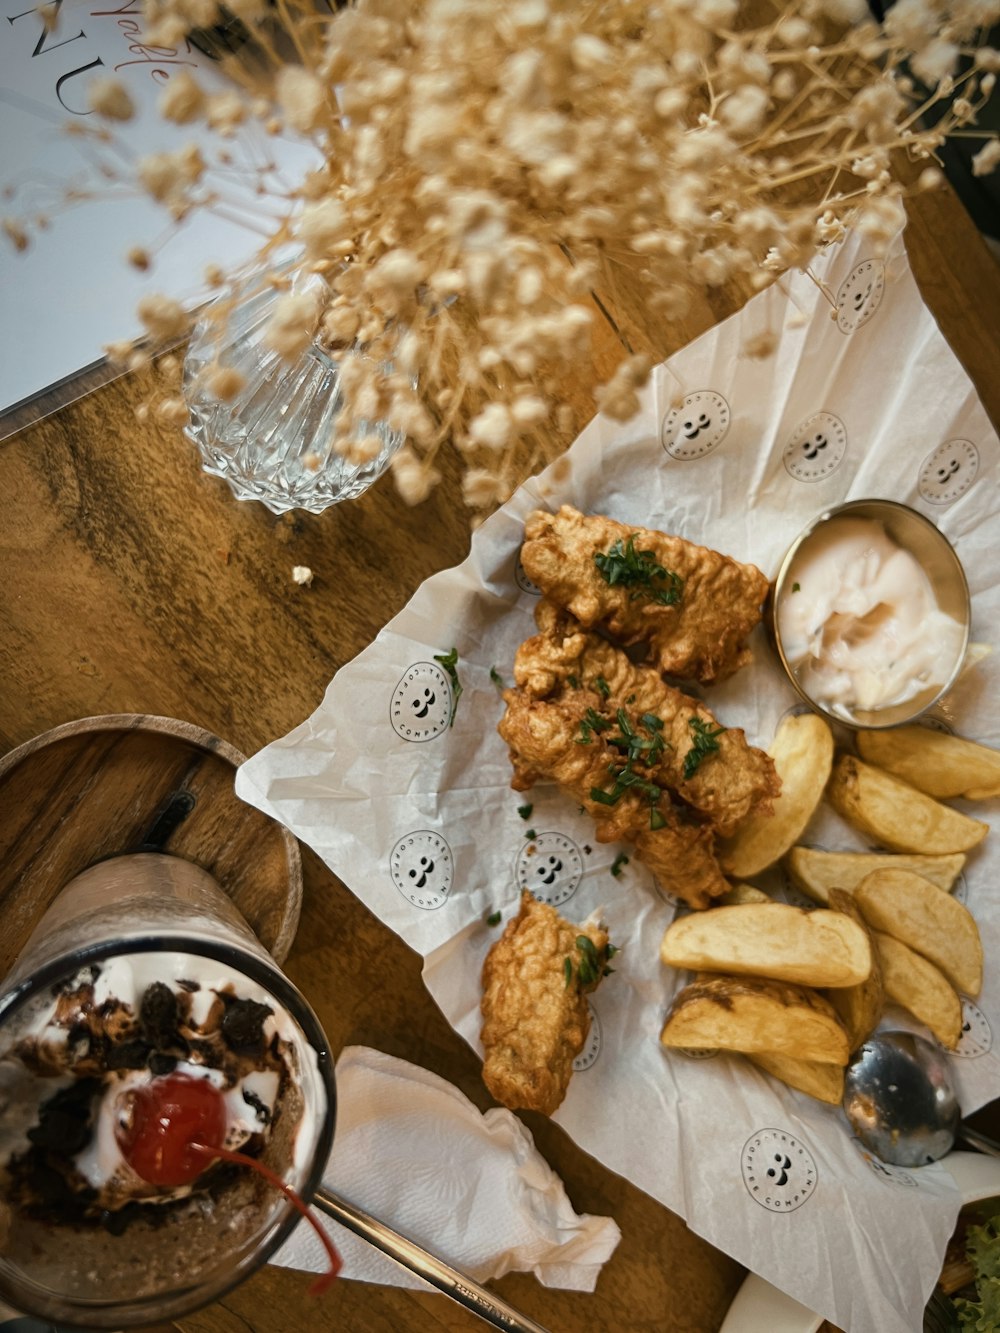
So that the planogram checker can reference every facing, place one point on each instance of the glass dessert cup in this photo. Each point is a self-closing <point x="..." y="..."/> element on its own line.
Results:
<point x="83" y="1239"/>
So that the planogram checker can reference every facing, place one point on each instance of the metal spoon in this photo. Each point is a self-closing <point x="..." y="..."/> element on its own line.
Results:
<point x="899" y="1099"/>
<point x="486" y="1304"/>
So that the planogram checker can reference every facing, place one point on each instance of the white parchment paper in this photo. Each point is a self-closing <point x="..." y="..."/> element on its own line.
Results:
<point x="862" y="398"/>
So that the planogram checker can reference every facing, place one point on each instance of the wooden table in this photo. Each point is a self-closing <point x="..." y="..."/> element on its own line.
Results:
<point x="132" y="582"/>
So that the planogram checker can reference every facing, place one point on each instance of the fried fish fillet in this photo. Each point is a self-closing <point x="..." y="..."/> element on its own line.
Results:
<point x="565" y="664"/>
<point x="543" y="738"/>
<point x="692" y="607"/>
<point x="534" y="1006"/>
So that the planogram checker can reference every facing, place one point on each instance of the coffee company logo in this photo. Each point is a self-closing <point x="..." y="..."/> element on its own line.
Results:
<point x="899" y="1175"/>
<point x="420" y="708"/>
<point x="696" y="427"/>
<point x="779" y="1171"/>
<point x="695" y="1052"/>
<point x="860" y="295"/>
<point x="550" y="866"/>
<point x="948" y="471"/>
<point x="422" y="868"/>
<point x="816" y="448"/>
<point x="522" y="580"/>
<point x="592" y="1047"/>
<point x="977" y="1036"/>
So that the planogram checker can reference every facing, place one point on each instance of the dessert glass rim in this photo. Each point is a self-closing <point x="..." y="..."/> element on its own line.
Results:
<point x="144" y="1309"/>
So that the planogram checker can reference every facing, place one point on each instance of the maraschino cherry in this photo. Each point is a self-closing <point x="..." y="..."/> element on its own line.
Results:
<point x="176" y="1129"/>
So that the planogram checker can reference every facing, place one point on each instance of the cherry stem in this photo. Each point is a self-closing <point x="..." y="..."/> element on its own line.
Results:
<point x="325" y="1280"/>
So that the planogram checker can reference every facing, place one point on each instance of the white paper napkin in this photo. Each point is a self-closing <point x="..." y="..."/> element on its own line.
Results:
<point x="472" y="1188"/>
<point x="863" y="397"/>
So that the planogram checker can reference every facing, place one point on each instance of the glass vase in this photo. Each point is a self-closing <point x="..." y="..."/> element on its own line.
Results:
<point x="273" y="441"/>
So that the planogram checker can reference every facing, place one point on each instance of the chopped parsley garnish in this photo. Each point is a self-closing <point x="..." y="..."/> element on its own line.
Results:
<point x="589" y="966"/>
<point x="531" y="835"/>
<point x="640" y="572"/>
<point x="496" y="678"/>
<point x="572" y="680"/>
<point x="796" y="587"/>
<point x="645" y="749"/>
<point x="704" y="744"/>
<point x="525" y="811"/>
<point x="493" y="919"/>
<point x="568" y="972"/>
<point x="602" y="686"/>
<point x="449" y="661"/>
<point x="620" y="861"/>
<point x="591" y="723"/>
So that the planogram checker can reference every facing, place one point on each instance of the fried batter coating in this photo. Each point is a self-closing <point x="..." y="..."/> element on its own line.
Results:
<point x="543" y="739"/>
<point x="534" y="1023"/>
<point x="701" y="637"/>
<point x="565" y="664"/>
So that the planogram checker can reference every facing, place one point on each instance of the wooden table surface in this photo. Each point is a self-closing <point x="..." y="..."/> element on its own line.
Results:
<point x="130" y="582"/>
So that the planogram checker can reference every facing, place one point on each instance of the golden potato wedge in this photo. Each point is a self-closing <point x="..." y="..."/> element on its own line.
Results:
<point x="775" y="940"/>
<point x="934" y="762"/>
<point x="802" y="751"/>
<point x="858" y="1007"/>
<point x="897" y="815"/>
<point x="922" y="989"/>
<point x="743" y="893"/>
<point x="816" y="872"/>
<point x="824" y="1082"/>
<point x="752" y="1014"/>
<point x="933" y="923"/>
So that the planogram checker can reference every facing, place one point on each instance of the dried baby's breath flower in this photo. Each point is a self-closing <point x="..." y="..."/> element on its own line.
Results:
<point x="138" y="257"/>
<point x="987" y="159"/>
<point x="15" y="233"/>
<point x="484" y="172"/>
<point x="163" y="317"/>
<point x="224" y="382"/>
<point x="302" y="575"/>
<point x="109" y="98"/>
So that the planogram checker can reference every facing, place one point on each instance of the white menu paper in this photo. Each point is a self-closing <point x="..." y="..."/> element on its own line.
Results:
<point x="862" y="398"/>
<point x="72" y="291"/>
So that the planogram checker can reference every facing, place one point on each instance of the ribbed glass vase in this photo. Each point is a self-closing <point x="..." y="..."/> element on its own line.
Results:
<point x="273" y="441"/>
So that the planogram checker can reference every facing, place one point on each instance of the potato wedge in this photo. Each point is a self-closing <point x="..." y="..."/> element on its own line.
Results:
<point x="802" y="751"/>
<point x="897" y="815"/>
<point x="858" y="1007"/>
<point x="824" y="1082"/>
<point x="743" y="893"/>
<point x="751" y="1014"/>
<point x="933" y="923"/>
<point x="934" y="762"/>
<point x="921" y="988"/>
<point x="775" y="940"/>
<point x="816" y="872"/>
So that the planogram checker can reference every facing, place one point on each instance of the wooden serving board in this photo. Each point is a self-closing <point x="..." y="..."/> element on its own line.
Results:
<point x="128" y="782"/>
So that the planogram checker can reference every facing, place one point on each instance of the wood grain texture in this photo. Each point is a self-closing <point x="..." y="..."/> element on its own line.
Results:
<point x="134" y="583"/>
<point x="95" y="788"/>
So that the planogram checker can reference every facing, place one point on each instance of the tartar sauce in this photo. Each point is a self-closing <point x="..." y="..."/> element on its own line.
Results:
<point x="859" y="622"/>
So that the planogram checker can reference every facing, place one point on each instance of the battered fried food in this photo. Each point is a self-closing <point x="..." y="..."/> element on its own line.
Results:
<point x="535" y="1017"/>
<point x="565" y="664"/>
<point x="544" y="743"/>
<point x="692" y="607"/>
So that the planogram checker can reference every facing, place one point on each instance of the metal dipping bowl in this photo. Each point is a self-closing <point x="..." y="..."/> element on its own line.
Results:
<point x="933" y="552"/>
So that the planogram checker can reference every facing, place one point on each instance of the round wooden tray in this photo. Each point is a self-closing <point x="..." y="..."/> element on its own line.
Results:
<point x="129" y="782"/>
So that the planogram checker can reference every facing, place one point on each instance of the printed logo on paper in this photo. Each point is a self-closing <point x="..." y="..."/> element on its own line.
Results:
<point x="816" y="448"/>
<point x="948" y="472"/>
<point x="779" y="1171"/>
<point x="696" y="427"/>
<point x="977" y="1037"/>
<point x="522" y="580"/>
<point x="860" y="295"/>
<point x="422" y="868"/>
<point x="592" y="1047"/>
<point x="695" y="1052"/>
<point x="899" y="1175"/>
<point x="551" y="867"/>
<point x="934" y="723"/>
<point x="421" y="703"/>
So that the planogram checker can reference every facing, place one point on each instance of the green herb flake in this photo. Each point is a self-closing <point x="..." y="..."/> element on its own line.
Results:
<point x="572" y="680"/>
<point x="796" y="587"/>
<point x="450" y="661"/>
<point x="568" y="971"/>
<point x="591" y="724"/>
<point x="602" y="687"/>
<point x="618" y="864"/>
<point x="531" y="835"/>
<point x="704" y="744"/>
<point x="525" y="811"/>
<point x="496" y="678"/>
<point x="640" y="572"/>
<point x="494" y="919"/>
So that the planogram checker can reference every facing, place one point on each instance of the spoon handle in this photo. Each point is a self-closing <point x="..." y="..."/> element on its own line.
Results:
<point x="978" y="1141"/>
<point x="407" y="1253"/>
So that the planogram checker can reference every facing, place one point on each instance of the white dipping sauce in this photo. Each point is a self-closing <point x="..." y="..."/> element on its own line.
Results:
<point x="859" y="622"/>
